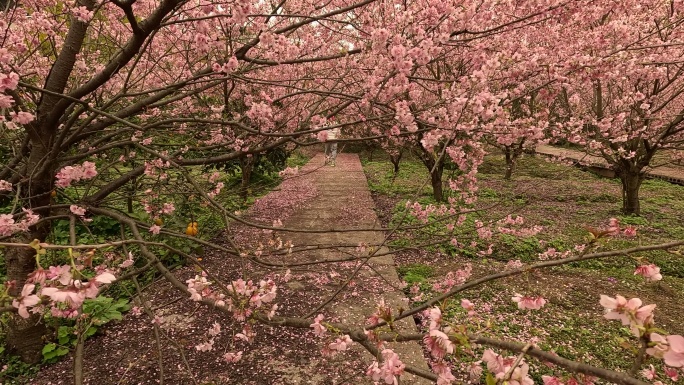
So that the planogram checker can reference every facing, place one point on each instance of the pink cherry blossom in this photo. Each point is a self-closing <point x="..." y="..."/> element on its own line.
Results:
<point x="70" y="174"/>
<point x="128" y="262"/>
<point x="78" y="210"/>
<point x="526" y="302"/>
<point x="630" y="231"/>
<point x="660" y="347"/>
<point x="550" y="380"/>
<point x="5" y="185"/>
<point x="82" y="14"/>
<point x="319" y="329"/>
<point x="650" y="272"/>
<point x="649" y="373"/>
<point x="155" y="229"/>
<point x="438" y="344"/>
<point x="8" y="81"/>
<point x="340" y="344"/>
<point x="390" y="369"/>
<point x="60" y="273"/>
<point x="469" y="306"/>
<point x="105" y="277"/>
<point x="25" y="300"/>
<point x="435" y="315"/>
<point x="71" y="295"/>
<point x="22" y="117"/>
<point x="494" y="361"/>
<point x="475" y="371"/>
<point x="232" y="357"/>
<point x="675" y="354"/>
<point x="442" y="369"/>
<point x="672" y="373"/>
<point x="630" y="313"/>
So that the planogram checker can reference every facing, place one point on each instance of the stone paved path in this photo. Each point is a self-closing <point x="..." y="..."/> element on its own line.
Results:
<point x="344" y="202"/>
<point x="670" y="174"/>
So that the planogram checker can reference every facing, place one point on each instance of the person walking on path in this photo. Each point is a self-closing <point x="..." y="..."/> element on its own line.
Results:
<point x="331" y="148"/>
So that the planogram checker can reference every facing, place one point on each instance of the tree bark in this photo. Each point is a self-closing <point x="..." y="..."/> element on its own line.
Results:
<point x="24" y="336"/>
<point x="436" y="181"/>
<point x="395" y="159"/>
<point x="246" y="167"/>
<point x="512" y="153"/>
<point x="631" y="183"/>
<point x="435" y="166"/>
<point x="510" y="164"/>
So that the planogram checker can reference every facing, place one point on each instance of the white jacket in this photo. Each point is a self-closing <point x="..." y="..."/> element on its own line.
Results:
<point x="333" y="133"/>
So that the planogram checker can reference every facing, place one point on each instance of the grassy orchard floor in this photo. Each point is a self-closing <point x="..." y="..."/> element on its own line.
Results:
<point x="563" y="200"/>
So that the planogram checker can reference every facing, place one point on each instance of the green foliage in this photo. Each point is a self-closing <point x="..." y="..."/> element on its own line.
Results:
<point x="601" y="197"/>
<point x="633" y="220"/>
<point x="98" y="231"/>
<point x="272" y="161"/>
<point x="17" y="371"/>
<point x="415" y="273"/>
<point x="510" y="247"/>
<point x="297" y="159"/>
<point x="98" y="311"/>
<point x="412" y="175"/>
<point x="52" y="352"/>
<point x="102" y="310"/>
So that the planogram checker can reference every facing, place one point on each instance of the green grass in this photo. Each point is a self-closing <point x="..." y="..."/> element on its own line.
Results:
<point x="565" y="201"/>
<point x="415" y="273"/>
<point x="411" y="178"/>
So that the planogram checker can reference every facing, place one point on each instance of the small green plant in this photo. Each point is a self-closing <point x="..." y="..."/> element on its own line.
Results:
<point x="415" y="273"/>
<point x="524" y="249"/>
<point x="633" y="220"/>
<point x="14" y="370"/>
<point x="98" y="311"/>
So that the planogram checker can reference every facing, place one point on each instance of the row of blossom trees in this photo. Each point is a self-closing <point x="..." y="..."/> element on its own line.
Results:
<point x="106" y="104"/>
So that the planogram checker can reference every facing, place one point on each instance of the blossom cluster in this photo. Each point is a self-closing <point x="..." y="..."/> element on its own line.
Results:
<point x="9" y="226"/>
<point x="501" y="366"/>
<point x="629" y="312"/>
<point x="453" y="278"/>
<point x="70" y="174"/>
<point x="389" y="371"/>
<point x="244" y="298"/>
<point x="439" y="345"/>
<point x="64" y="293"/>
<point x="640" y="319"/>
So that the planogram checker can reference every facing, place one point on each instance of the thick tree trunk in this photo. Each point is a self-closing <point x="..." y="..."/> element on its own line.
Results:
<point x="512" y="153"/>
<point x="510" y="165"/>
<point x="435" y="166"/>
<point x="24" y="336"/>
<point x="631" y="183"/>
<point x="246" y="166"/>
<point x="395" y="159"/>
<point x="436" y="181"/>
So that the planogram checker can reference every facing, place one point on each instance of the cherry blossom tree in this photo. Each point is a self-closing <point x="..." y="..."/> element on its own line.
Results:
<point x="107" y="96"/>
<point x="112" y="107"/>
<point x="622" y="100"/>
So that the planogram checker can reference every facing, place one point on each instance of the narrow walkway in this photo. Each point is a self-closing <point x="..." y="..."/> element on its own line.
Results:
<point x="598" y="164"/>
<point x="318" y="198"/>
<point x="344" y="202"/>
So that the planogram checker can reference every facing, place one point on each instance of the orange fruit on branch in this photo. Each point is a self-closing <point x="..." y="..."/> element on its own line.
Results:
<point x="192" y="230"/>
